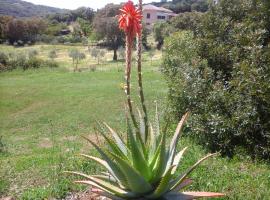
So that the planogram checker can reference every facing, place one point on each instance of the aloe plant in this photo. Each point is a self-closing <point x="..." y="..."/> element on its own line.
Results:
<point x="141" y="165"/>
<point x="141" y="170"/>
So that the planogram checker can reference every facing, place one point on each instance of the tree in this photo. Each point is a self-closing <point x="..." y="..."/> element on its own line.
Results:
<point x="85" y="26"/>
<point x="52" y="54"/>
<point x="76" y="56"/>
<point x="221" y="74"/>
<point x="162" y="30"/>
<point x="97" y="54"/>
<point x="106" y="27"/>
<point x="28" y="29"/>
<point x="151" y="55"/>
<point x="4" y="20"/>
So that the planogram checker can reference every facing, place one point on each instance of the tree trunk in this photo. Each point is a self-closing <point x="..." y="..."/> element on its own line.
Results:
<point x="115" y="54"/>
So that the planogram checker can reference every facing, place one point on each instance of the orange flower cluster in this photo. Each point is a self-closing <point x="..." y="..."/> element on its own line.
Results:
<point x="130" y="20"/>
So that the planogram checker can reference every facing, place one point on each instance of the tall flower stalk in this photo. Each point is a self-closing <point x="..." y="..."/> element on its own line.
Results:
<point x="130" y="22"/>
<point x="139" y="70"/>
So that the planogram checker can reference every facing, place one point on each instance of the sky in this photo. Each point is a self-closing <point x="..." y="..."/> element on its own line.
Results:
<point x="73" y="4"/>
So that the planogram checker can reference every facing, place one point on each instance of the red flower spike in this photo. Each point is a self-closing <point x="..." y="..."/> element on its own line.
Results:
<point x="130" y="19"/>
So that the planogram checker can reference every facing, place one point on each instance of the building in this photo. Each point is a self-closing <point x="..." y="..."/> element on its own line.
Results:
<point x="153" y="14"/>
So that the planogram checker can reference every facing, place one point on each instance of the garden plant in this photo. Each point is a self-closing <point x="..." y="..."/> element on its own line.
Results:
<point x="143" y="166"/>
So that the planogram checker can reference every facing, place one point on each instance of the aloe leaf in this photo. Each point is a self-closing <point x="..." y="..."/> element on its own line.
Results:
<point x="114" y="167"/>
<point x="136" y="182"/>
<point x="186" y="182"/>
<point x="197" y="195"/>
<point x="191" y="195"/>
<point x="161" y="163"/>
<point x="114" y="147"/>
<point x="175" y="138"/>
<point x="107" y="187"/>
<point x="163" y="185"/>
<point x="118" y="140"/>
<point x="182" y="177"/>
<point x="138" y="158"/>
<point x="109" y="179"/>
<point x="100" y="161"/>
<point x="152" y="143"/>
<point x="102" y="193"/>
<point x="177" y="159"/>
<point x="157" y="128"/>
<point x="142" y="126"/>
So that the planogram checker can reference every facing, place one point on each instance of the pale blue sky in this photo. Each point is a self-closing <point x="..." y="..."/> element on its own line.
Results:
<point x="73" y="4"/>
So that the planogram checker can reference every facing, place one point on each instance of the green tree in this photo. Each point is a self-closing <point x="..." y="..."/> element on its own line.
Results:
<point x="222" y="75"/>
<point x="106" y="27"/>
<point x="76" y="56"/>
<point x="52" y="54"/>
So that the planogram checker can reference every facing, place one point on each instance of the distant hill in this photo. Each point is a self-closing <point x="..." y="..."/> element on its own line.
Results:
<point x="180" y="6"/>
<point x="18" y="8"/>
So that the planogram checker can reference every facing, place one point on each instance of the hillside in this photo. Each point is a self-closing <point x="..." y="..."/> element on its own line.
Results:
<point x="18" y="8"/>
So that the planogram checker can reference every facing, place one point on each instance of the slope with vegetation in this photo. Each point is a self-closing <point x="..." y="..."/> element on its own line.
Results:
<point x="18" y="8"/>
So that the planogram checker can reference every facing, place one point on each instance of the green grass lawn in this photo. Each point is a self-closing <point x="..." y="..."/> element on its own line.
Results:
<point x="44" y="112"/>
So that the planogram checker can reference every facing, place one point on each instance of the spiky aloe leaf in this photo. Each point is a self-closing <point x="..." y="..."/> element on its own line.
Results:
<point x="106" y="186"/>
<point x="112" y="145"/>
<point x="175" y="139"/>
<point x="118" y="140"/>
<point x="100" y="161"/>
<point x="142" y="126"/>
<point x="152" y="142"/>
<point x="157" y="128"/>
<point x="177" y="159"/>
<point x="138" y="158"/>
<point x="184" y="184"/>
<point x="114" y="167"/>
<point x="161" y="161"/>
<point x="163" y="185"/>
<point x="109" y="179"/>
<point x="102" y="193"/>
<point x="136" y="182"/>
<point x="191" y="195"/>
<point x="182" y="177"/>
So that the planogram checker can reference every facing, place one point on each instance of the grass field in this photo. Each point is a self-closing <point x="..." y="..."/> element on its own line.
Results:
<point x="44" y="112"/>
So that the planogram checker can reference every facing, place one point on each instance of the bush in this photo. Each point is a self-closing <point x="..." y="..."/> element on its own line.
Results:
<point x="222" y="75"/>
<point x="3" y="59"/>
<point x="32" y="53"/>
<point x="227" y="114"/>
<point x="20" y="61"/>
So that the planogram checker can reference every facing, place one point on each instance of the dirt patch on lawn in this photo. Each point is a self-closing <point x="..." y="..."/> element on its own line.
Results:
<point x="30" y="108"/>
<point x="87" y="195"/>
<point x="45" y="143"/>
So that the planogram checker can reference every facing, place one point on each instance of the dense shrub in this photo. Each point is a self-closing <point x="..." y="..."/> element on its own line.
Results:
<point x="21" y="61"/>
<point x="222" y="75"/>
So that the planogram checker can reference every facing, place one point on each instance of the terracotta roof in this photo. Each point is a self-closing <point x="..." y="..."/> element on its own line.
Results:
<point x="160" y="9"/>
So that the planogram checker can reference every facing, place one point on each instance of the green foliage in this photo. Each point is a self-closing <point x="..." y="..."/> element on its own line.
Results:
<point x="32" y="53"/>
<point x="76" y="56"/>
<point x="52" y="54"/>
<point x="45" y="90"/>
<point x="162" y="30"/>
<point x="3" y="147"/>
<point x="85" y="26"/>
<point x="97" y="54"/>
<point x="21" y="61"/>
<point x="143" y="167"/>
<point x="105" y="25"/>
<point x="222" y="75"/>
<point x="180" y="6"/>
<point x="29" y="29"/>
<point x="187" y="21"/>
<point x="3" y="58"/>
